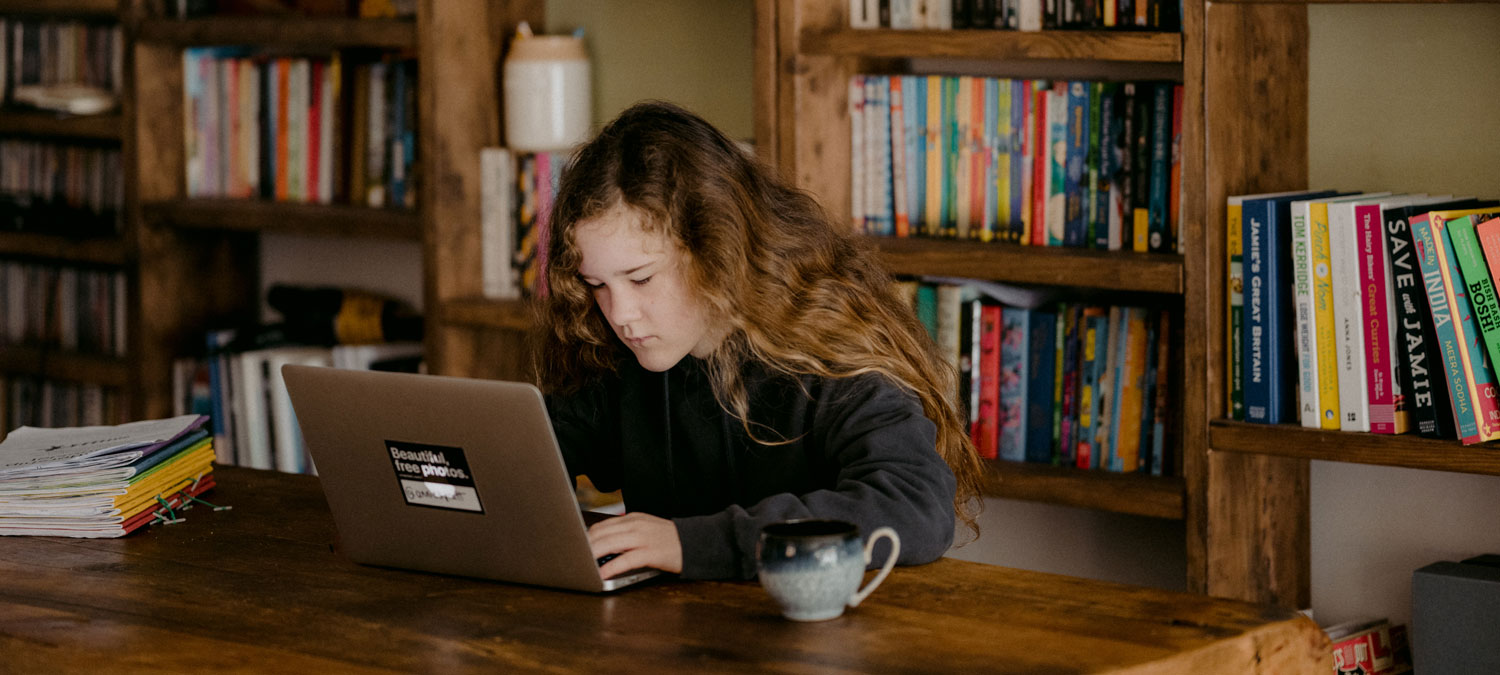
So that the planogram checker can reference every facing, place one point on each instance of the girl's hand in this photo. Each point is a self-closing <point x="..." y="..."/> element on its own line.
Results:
<point x="641" y="540"/>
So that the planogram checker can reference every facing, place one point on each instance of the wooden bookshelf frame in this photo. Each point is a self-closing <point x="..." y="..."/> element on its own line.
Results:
<point x="1406" y="450"/>
<point x="1046" y="265"/>
<point x="1133" y="494"/>
<point x="106" y="127"/>
<point x="54" y="363"/>
<point x="252" y="215"/>
<point x="108" y="9"/>
<point x="485" y="313"/>
<point x="995" y="45"/>
<point x="322" y="33"/>
<point x="92" y="250"/>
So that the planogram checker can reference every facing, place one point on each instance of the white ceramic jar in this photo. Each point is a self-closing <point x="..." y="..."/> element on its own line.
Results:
<point x="548" y="104"/>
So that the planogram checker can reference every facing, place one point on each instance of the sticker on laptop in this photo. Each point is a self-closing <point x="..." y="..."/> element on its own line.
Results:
<point x="434" y="475"/>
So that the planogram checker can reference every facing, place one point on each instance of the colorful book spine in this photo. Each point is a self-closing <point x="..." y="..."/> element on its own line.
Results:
<point x="1072" y="349"/>
<point x="1041" y="353"/>
<point x="1075" y="224"/>
<point x="1478" y="371"/>
<point x="963" y="159"/>
<point x="902" y="218"/>
<point x="1325" y="338"/>
<point x="1380" y="327"/>
<point x="932" y="220"/>
<point x="986" y="433"/>
<point x="1041" y="167"/>
<point x="1310" y="412"/>
<point x="1349" y="317"/>
<point x="1006" y="215"/>
<point x="858" y="158"/>
<point x="1057" y="164"/>
<point x="1096" y="331"/>
<point x="1162" y="406"/>
<point x="1434" y="281"/>
<point x="1477" y="283"/>
<point x="1108" y="129"/>
<point x="914" y="116"/>
<point x="1133" y="369"/>
<point x="1420" y="372"/>
<point x="1024" y="138"/>
<point x="1159" y="181"/>
<point x="1014" y="335"/>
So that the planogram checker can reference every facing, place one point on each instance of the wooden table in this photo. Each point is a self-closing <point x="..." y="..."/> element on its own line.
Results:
<point x="260" y="589"/>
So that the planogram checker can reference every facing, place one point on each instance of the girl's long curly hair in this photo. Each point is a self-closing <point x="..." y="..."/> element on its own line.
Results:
<point x="797" y="294"/>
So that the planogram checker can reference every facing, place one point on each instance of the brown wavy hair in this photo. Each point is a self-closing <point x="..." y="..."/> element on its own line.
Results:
<point x="799" y="295"/>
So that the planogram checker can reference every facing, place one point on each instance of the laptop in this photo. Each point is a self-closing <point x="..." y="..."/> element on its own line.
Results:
<point x="444" y="474"/>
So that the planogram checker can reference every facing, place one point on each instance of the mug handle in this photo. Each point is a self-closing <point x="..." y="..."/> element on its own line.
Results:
<point x="890" y="562"/>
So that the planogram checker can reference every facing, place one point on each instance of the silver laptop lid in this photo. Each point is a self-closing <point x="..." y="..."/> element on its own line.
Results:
<point x="443" y="474"/>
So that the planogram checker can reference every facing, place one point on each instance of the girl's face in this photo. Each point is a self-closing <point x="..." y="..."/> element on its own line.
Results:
<point x="638" y="282"/>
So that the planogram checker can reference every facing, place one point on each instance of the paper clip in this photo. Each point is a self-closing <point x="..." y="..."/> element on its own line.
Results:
<point x="214" y="506"/>
<point x="172" y="514"/>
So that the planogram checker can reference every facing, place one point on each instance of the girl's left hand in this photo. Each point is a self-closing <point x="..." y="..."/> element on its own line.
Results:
<point x="640" y="539"/>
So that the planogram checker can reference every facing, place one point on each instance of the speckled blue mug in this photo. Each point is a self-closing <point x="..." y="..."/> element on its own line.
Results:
<point x="813" y="567"/>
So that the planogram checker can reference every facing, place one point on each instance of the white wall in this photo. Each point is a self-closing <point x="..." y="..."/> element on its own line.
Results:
<point x="1401" y="98"/>
<point x="1080" y="542"/>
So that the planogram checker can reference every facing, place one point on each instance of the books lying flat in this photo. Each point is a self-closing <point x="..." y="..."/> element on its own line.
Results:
<point x="104" y="481"/>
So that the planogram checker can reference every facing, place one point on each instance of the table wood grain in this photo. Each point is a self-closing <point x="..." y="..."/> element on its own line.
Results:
<point x="262" y="588"/>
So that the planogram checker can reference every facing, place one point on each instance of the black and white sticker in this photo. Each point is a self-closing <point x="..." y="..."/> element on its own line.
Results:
<point x="434" y="475"/>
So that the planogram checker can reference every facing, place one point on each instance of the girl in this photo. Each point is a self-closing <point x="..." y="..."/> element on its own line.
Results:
<point x="714" y="347"/>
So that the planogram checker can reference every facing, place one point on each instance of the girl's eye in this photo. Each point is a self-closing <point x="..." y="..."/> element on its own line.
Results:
<point x="641" y="282"/>
<point x="592" y="285"/>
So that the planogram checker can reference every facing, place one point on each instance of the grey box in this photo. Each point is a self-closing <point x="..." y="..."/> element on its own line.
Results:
<point x="1455" y="617"/>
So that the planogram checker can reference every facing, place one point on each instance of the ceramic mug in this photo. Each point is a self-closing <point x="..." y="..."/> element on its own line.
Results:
<point x="812" y="568"/>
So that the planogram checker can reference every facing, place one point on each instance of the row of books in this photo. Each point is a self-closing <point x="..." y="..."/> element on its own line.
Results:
<point x="55" y="188"/>
<point x="364" y="9"/>
<point x="516" y="200"/>
<point x="298" y="129"/>
<point x="1027" y="15"/>
<point x="44" y="402"/>
<point x="103" y="481"/>
<point x="1076" y="384"/>
<point x="1365" y="312"/>
<point x="1038" y="162"/>
<point x="244" y="394"/>
<point x="46" y="52"/>
<point x="75" y="309"/>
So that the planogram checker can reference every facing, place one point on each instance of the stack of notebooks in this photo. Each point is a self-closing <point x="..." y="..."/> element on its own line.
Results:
<point x="104" y="481"/>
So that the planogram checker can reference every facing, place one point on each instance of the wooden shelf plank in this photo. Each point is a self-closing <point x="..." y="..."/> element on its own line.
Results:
<point x="100" y="8"/>
<point x="288" y="31"/>
<point x="1133" y="494"/>
<point x="99" y="251"/>
<point x="336" y="220"/>
<point x="1055" y="266"/>
<point x="51" y="363"/>
<point x="1406" y="450"/>
<point x="1082" y="45"/>
<point x="486" y="313"/>
<point x="38" y="123"/>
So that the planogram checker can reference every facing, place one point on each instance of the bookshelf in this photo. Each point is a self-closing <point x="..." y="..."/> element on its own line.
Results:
<point x="457" y="44"/>
<point x="114" y="252"/>
<point x="805" y="54"/>
<point x="1259" y="477"/>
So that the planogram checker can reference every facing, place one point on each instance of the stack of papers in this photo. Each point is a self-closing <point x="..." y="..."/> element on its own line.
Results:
<point x="102" y="481"/>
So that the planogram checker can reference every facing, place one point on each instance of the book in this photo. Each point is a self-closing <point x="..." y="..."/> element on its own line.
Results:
<point x="1041" y="355"/>
<point x="1478" y="285"/>
<point x="1470" y="381"/>
<point x="1015" y="334"/>
<point x="1389" y="408"/>
<point x="497" y="228"/>
<point x="1420" y="370"/>
<point x="1349" y="312"/>
<point x="986" y="431"/>
<point x="1268" y="365"/>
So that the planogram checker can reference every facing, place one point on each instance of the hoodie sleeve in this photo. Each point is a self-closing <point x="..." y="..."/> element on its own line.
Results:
<point x="888" y="474"/>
